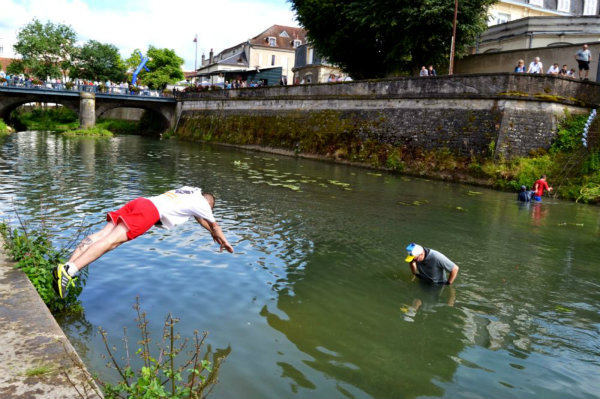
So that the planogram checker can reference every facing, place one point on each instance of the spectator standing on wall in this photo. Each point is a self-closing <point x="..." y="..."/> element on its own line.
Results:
<point x="584" y="57"/>
<point x="424" y="71"/>
<point x="520" y="68"/>
<point x="431" y="71"/>
<point x="554" y="69"/>
<point x="536" y="66"/>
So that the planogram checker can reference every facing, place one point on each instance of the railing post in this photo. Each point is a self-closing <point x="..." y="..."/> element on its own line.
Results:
<point x="87" y="109"/>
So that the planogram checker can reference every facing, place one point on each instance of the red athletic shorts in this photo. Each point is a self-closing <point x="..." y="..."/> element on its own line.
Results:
<point x="137" y="215"/>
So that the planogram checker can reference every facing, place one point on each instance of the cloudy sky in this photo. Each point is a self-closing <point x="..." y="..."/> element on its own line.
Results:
<point x="131" y="24"/>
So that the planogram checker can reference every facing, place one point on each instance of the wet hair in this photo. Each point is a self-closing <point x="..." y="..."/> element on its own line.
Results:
<point x="210" y="198"/>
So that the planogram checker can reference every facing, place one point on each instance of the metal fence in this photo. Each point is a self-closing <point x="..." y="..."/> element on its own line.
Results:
<point x="91" y="88"/>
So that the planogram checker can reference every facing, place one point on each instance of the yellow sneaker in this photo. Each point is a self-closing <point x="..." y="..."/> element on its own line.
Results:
<point x="62" y="279"/>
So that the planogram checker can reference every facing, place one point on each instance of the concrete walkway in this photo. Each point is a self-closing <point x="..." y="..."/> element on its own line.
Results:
<point x="35" y="354"/>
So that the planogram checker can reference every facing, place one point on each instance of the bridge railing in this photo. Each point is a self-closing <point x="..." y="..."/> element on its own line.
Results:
<point x="92" y="88"/>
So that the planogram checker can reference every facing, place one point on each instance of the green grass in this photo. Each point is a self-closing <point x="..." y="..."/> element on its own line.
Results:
<point x="96" y="131"/>
<point x="4" y="129"/>
<point x="39" y="371"/>
<point x="118" y="125"/>
<point x="56" y="118"/>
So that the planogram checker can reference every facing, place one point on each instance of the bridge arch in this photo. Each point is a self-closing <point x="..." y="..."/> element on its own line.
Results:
<point x="156" y="113"/>
<point x="9" y="103"/>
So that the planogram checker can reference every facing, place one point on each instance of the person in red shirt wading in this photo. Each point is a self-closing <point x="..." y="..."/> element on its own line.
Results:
<point x="538" y="188"/>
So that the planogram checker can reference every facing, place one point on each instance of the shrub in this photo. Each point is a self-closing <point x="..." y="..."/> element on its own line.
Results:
<point x="118" y="125"/>
<point x="34" y="254"/>
<point x="568" y="137"/>
<point x="3" y="128"/>
<point x="159" y="377"/>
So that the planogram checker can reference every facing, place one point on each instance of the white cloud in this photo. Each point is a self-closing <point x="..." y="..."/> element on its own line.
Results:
<point x="164" y="24"/>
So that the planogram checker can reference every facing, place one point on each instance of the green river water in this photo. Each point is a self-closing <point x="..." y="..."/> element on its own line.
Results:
<point x="317" y="301"/>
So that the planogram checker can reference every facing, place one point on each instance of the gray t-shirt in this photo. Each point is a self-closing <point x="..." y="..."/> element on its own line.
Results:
<point x="584" y="55"/>
<point x="435" y="267"/>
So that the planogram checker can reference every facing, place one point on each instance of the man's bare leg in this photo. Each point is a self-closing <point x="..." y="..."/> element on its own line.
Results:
<point x="107" y="239"/>
<point x="89" y="240"/>
<point x="91" y="248"/>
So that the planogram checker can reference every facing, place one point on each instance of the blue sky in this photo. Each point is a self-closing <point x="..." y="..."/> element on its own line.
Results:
<point x="131" y="24"/>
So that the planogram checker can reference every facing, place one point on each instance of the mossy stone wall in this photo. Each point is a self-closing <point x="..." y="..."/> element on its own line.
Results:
<point x="384" y="122"/>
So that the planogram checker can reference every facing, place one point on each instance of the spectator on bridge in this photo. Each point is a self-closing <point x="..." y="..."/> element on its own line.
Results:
<point x="571" y="73"/>
<point x="431" y="71"/>
<point x="536" y="66"/>
<point x="564" y="72"/>
<point x="584" y="57"/>
<point x="424" y="71"/>
<point x="554" y="69"/>
<point x="520" y="68"/>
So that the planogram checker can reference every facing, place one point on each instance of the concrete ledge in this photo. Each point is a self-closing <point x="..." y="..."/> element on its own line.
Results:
<point x="35" y="352"/>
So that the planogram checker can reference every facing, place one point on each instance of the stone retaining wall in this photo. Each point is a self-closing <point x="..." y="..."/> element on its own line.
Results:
<point x="507" y="114"/>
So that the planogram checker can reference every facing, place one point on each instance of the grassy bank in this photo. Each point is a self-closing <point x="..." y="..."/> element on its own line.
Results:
<point x="51" y="118"/>
<point x="4" y="128"/>
<point x="96" y="131"/>
<point x="62" y="119"/>
<point x="573" y="170"/>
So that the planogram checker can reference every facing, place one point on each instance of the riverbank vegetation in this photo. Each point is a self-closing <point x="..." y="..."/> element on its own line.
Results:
<point x="31" y="249"/>
<point x="95" y="131"/>
<point x="45" y="118"/>
<point x="572" y="169"/>
<point x="165" y="374"/>
<point x="4" y="128"/>
<point x="63" y="119"/>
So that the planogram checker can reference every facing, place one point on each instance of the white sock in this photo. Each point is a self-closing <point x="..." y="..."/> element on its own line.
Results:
<point x="71" y="269"/>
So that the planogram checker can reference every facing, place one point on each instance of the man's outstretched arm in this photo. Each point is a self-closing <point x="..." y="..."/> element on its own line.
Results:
<point x="217" y="234"/>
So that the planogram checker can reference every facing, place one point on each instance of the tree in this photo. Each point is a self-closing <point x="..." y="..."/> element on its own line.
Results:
<point x="379" y="38"/>
<point x="164" y="66"/>
<point x="15" y="67"/>
<point x="46" y="50"/>
<point x="98" y="61"/>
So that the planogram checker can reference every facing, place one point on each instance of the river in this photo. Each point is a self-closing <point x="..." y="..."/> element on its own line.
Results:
<point x="317" y="301"/>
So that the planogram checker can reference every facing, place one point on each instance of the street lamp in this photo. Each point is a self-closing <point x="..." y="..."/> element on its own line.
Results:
<point x="453" y="44"/>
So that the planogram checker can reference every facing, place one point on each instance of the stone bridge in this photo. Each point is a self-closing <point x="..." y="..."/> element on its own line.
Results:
<point x="88" y="106"/>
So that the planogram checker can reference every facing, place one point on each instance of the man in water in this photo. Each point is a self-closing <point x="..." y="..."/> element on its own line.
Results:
<point x="524" y="195"/>
<point x="430" y="265"/>
<point x="538" y="188"/>
<point x="134" y="219"/>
